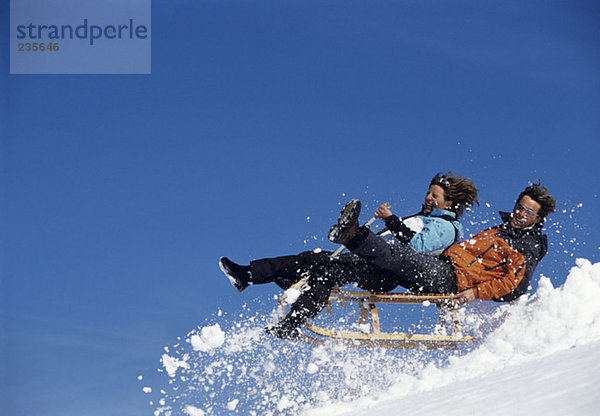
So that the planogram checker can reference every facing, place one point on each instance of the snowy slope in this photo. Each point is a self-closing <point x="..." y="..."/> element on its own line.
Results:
<point x="538" y="356"/>
<point x="564" y="383"/>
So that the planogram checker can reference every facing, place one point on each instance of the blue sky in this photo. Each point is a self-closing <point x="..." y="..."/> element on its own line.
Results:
<point x="120" y="192"/>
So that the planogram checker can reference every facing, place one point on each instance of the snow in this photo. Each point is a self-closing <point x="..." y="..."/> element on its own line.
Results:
<point x="171" y="364"/>
<point x="292" y="295"/>
<point x="565" y="383"/>
<point x="193" y="411"/>
<point x="312" y="368"/>
<point x="538" y="356"/>
<point x="210" y="337"/>
<point x="232" y="404"/>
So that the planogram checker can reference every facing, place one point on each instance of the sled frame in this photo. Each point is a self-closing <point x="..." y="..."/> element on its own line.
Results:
<point x="367" y="302"/>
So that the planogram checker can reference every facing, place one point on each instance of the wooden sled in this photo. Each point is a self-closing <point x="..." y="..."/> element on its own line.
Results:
<point x="367" y="302"/>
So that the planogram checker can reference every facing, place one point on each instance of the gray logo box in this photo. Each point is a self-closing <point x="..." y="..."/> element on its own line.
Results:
<point x="80" y="37"/>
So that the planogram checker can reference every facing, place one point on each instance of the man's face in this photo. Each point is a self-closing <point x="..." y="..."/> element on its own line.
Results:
<point x="525" y="213"/>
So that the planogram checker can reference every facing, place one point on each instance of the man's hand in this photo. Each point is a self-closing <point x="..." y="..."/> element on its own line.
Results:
<point x="463" y="297"/>
<point x="383" y="211"/>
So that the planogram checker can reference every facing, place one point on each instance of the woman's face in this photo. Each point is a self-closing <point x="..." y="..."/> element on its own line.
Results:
<point x="435" y="199"/>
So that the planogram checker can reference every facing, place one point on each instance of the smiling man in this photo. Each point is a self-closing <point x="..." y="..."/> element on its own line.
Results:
<point x="499" y="263"/>
<point x="525" y="213"/>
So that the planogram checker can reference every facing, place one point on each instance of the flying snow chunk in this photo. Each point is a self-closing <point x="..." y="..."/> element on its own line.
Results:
<point x="193" y="411"/>
<point x="284" y="403"/>
<point x="147" y="389"/>
<point x="291" y="295"/>
<point x="364" y="328"/>
<point x="172" y="364"/>
<point x="232" y="404"/>
<point x="312" y="368"/>
<point x="210" y="337"/>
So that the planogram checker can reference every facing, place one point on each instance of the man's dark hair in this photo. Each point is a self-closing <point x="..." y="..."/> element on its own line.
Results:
<point x="539" y="194"/>
<point x="461" y="191"/>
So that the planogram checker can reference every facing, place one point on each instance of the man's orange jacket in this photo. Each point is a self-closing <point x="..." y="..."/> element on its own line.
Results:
<point x="498" y="263"/>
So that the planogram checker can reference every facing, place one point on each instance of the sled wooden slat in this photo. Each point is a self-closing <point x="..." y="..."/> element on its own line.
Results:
<point x="382" y="336"/>
<point x="361" y="296"/>
<point x="374" y="318"/>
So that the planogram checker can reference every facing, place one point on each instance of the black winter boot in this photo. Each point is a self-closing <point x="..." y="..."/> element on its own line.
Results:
<point x="288" y="327"/>
<point x="345" y="229"/>
<point x="239" y="276"/>
<point x="283" y="332"/>
<point x="305" y="307"/>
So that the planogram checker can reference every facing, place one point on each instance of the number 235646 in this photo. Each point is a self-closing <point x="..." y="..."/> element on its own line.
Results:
<point x="38" y="47"/>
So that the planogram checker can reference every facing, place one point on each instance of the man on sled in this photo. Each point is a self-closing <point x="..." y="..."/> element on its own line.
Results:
<point x="425" y="234"/>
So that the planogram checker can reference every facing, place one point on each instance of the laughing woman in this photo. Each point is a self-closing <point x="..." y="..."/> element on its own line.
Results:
<point x="430" y="231"/>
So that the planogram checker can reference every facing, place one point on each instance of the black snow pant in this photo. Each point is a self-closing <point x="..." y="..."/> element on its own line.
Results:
<point x="374" y="265"/>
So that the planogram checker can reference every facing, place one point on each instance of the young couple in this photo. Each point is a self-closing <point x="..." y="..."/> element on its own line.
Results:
<point x="423" y="253"/>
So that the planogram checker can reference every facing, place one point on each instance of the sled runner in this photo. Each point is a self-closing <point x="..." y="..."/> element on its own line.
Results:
<point x="372" y="335"/>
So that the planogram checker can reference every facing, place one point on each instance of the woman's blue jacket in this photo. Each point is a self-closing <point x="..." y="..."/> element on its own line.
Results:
<point x="426" y="233"/>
